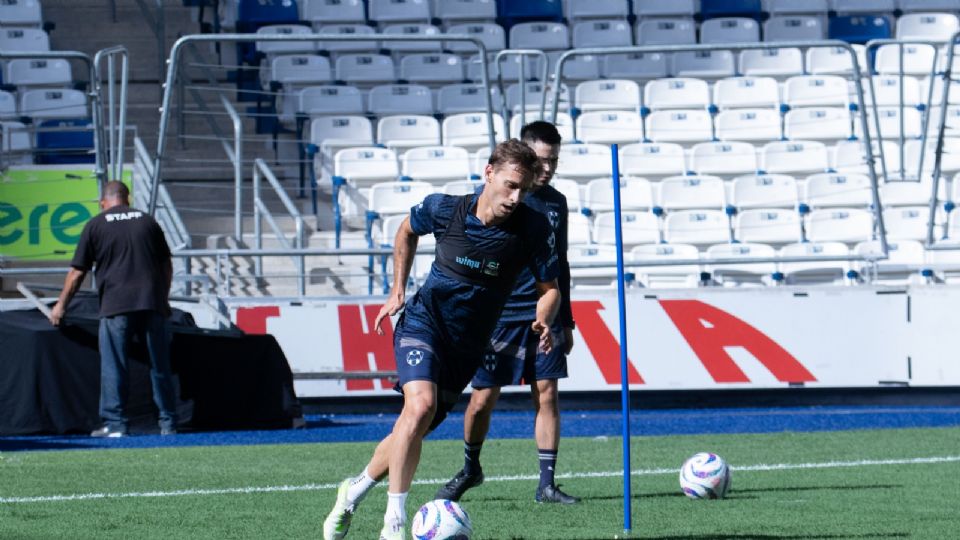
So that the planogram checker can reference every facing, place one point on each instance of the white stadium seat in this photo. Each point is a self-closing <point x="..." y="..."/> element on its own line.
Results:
<point x="890" y="123"/>
<point x="782" y="62"/>
<point x="578" y="229"/>
<point x="907" y="223"/>
<point x="691" y="192"/>
<point x="571" y="190"/>
<point x="470" y="130"/>
<point x="680" y="125"/>
<point x="545" y="36"/>
<point x="299" y="70"/>
<point x="676" y="93"/>
<point x="510" y="66"/>
<point x="906" y="193"/>
<point x="949" y="160"/>
<point x="436" y="163"/>
<point x="862" y="6"/>
<point x="389" y="11"/>
<point x="665" y="275"/>
<point x="850" y="156"/>
<point x="834" y="60"/>
<point x="492" y="35"/>
<point x="54" y="103"/>
<point x="607" y="95"/>
<point x="24" y="72"/>
<point x="909" y="6"/>
<point x="397" y="197"/>
<point x="767" y="225"/>
<point x="712" y="64"/>
<point x="21" y="13"/>
<point x="746" y="92"/>
<point x="635" y="65"/>
<point x="533" y="96"/>
<point x="421" y="263"/>
<point x="8" y="106"/>
<point x="764" y="191"/>
<point x="951" y="122"/>
<point x="635" y="194"/>
<point x="432" y="68"/>
<point x="390" y="99"/>
<point x="17" y="139"/>
<point x="698" y="227"/>
<point x="592" y="253"/>
<point x="831" y="189"/>
<point x="607" y="127"/>
<point x="793" y="7"/>
<point x="815" y="91"/>
<point x="793" y="28"/>
<point x="461" y="187"/>
<point x="904" y="258"/>
<point x="593" y="9"/>
<point x="636" y="228"/>
<point x="332" y="133"/>
<point x="408" y="130"/>
<point x="462" y="98"/>
<point x="332" y="11"/>
<point x="365" y="69"/>
<point x="24" y="40"/>
<point x="749" y="125"/>
<point x="603" y="33"/>
<point x="347" y="29"/>
<point x="817" y="123"/>
<point x="723" y="158"/>
<point x="658" y="8"/>
<point x="887" y="90"/>
<point x="729" y="30"/>
<point x="928" y="26"/>
<point x="738" y="273"/>
<point x="814" y="271"/>
<point x="794" y="157"/>
<point x="366" y="164"/>
<point x="330" y="99"/>
<point x="584" y="160"/>
<point x="666" y="32"/>
<point x="581" y="67"/>
<point x="272" y="48"/>
<point x="652" y="159"/>
<point x="917" y="59"/>
<point x="466" y="10"/>
<point x="840" y="225"/>
<point x="411" y="29"/>
<point x="563" y="123"/>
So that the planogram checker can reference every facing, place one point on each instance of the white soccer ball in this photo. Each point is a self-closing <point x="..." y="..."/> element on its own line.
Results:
<point x="441" y="520"/>
<point x="705" y="476"/>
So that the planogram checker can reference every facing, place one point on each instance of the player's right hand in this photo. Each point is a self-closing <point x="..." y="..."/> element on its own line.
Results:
<point x="56" y="314"/>
<point x="393" y="306"/>
<point x="546" y="336"/>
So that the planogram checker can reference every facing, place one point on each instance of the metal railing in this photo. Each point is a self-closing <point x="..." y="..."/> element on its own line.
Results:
<point x="110" y="146"/>
<point x="166" y="213"/>
<point x="261" y="211"/>
<point x="947" y="76"/>
<point x="858" y="84"/>
<point x="235" y="155"/>
<point x="522" y="55"/>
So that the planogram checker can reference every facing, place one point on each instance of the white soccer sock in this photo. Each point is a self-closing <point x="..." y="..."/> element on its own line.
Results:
<point x="396" y="509"/>
<point x="360" y="486"/>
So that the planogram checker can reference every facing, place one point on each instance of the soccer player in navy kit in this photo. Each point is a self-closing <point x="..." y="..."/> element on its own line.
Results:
<point x="512" y="357"/>
<point x="484" y="241"/>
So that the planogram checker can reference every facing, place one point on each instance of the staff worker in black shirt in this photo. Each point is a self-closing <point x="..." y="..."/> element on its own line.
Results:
<point x="133" y="271"/>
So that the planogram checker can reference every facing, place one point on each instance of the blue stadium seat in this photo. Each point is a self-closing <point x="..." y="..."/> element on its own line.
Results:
<point x="710" y="9"/>
<point x="516" y="11"/>
<point x="63" y="145"/>
<point x="859" y="28"/>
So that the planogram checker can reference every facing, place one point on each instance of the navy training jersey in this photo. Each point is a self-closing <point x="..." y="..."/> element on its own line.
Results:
<point x="522" y="304"/>
<point x="466" y="313"/>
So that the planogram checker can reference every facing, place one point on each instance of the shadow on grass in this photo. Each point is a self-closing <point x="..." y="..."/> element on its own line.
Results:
<point x="748" y="536"/>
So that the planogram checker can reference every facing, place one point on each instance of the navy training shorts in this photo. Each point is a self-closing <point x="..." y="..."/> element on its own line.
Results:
<point x="513" y="357"/>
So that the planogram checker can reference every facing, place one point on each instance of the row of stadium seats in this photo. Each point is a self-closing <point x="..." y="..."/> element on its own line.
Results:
<point x="21" y="13"/>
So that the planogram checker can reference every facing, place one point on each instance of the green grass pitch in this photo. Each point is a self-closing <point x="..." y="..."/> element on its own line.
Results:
<point x="785" y="485"/>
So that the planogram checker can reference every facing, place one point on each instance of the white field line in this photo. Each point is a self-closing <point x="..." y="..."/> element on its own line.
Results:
<point x="513" y="478"/>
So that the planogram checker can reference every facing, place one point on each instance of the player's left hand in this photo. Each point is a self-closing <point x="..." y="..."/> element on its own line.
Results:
<point x="546" y="337"/>
<point x="567" y="340"/>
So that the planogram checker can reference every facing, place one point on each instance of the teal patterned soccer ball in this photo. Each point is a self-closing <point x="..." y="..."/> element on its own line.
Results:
<point x="705" y="476"/>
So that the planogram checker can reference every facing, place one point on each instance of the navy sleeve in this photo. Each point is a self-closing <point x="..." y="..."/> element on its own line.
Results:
<point x="431" y="215"/>
<point x="544" y="265"/>
<point x="566" y="311"/>
<point x="84" y="256"/>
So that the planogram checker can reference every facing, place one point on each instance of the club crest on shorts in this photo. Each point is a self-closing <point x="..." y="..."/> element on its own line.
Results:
<point x="414" y="357"/>
<point x="490" y="361"/>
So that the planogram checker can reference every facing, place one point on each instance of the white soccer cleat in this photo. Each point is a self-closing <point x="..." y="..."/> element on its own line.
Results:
<point x="393" y="531"/>
<point x="337" y="524"/>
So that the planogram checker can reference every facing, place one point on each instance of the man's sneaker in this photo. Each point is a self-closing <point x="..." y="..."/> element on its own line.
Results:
<point x="337" y="524"/>
<point x="109" y="431"/>
<point x="393" y="531"/>
<point x="552" y="494"/>
<point x="455" y="488"/>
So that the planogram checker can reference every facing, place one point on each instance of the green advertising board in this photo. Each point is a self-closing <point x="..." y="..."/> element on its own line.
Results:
<point x="43" y="210"/>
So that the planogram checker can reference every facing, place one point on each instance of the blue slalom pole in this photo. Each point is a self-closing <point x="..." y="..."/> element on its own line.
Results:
<point x="622" y="301"/>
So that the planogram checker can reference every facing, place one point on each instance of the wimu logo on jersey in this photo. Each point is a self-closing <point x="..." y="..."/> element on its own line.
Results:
<point x="468" y="262"/>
